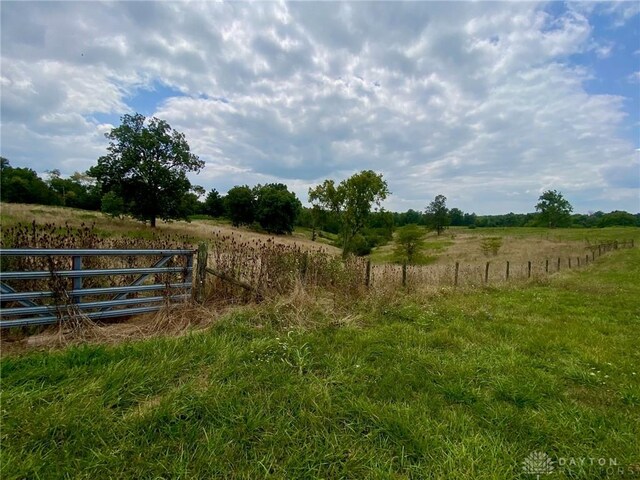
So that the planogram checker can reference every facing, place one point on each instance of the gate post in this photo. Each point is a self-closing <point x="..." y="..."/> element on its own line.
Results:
<point x="201" y="273"/>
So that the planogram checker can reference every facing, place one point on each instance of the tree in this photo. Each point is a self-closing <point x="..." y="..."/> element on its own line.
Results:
<point x="276" y="208"/>
<point x="113" y="205"/>
<point x="352" y="200"/>
<point x="457" y="217"/>
<point x="410" y="239"/>
<point x="437" y="214"/>
<point x="214" y="204"/>
<point x="23" y="185"/>
<point x="555" y="210"/>
<point x="147" y="167"/>
<point x="240" y="205"/>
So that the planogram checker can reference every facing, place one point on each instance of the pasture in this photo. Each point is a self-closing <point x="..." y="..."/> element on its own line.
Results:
<point x="396" y="383"/>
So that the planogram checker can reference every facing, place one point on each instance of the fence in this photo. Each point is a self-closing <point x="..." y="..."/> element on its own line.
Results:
<point x="476" y="274"/>
<point x="98" y="303"/>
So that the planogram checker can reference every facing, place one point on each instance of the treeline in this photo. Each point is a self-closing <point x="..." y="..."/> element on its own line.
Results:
<point x="273" y="207"/>
<point x="461" y="219"/>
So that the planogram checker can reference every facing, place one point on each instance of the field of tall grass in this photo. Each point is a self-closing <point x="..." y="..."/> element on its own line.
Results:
<point x="459" y="384"/>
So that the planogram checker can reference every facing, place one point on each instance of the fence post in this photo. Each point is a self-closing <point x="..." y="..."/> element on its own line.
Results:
<point x="569" y="262"/>
<point x="558" y="264"/>
<point x="507" y="274"/>
<point x="486" y="273"/>
<point x="599" y="250"/>
<point x="632" y="243"/>
<point x="77" y="281"/>
<point x="546" y="266"/>
<point x="529" y="269"/>
<point x="586" y="259"/>
<point x="404" y="274"/>
<point x="201" y="274"/>
<point x="578" y="261"/>
<point x="593" y="255"/>
<point x="367" y="280"/>
<point x="455" y="278"/>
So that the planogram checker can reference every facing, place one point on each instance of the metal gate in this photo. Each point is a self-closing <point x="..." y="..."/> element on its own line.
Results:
<point x="142" y="295"/>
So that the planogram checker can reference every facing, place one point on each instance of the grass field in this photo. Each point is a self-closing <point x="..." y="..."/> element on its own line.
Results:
<point x="463" y="245"/>
<point x="460" y="385"/>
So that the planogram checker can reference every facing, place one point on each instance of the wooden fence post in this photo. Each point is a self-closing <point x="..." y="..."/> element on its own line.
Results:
<point x="507" y="274"/>
<point x="455" y="278"/>
<point x="404" y="274"/>
<point x="201" y="273"/>
<point x="486" y="273"/>
<point x="578" y="261"/>
<point x="367" y="280"/>
<point x="546" y="266"/>
<point x="586" y="259"/>
<point x="529" y="269"/>
<point x="593" y="255"/>
<point x="569" y="262"/>
<point x="558" y="264"/>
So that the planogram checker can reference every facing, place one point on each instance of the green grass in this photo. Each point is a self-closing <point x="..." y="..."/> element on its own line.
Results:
<point x="431" y="248"/>
<point x="462" y="385"/>
<point x="593" y="235"/>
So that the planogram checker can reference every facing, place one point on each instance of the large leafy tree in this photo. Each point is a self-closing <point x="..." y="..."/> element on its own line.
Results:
<point x="437" y="215"/>
<point x="240" y="205"/>
<point x="554" y="210"/>
<point x="352" y="200"/>
<point x="276" y="208"/>
<point x="214" y="204"/>
<point x="147" y="167"/>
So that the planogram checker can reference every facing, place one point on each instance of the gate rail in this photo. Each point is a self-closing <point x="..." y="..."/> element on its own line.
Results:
<point x="49" y="314"/>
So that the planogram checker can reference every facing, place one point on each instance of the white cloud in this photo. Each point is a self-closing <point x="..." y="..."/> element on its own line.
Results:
<point x="479" y="103"/>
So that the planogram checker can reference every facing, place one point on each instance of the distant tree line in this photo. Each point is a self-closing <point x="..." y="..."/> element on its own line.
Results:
<point x="144" y="175"/>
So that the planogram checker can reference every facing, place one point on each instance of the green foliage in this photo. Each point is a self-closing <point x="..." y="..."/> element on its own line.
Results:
<point x="618" y="218"/>
<point x="554" y="210"/>
<point x="491" y="245"/>
<point x="214" y="204"/>
<point x="352" y="200"/>
<point x="437" y="215"/>
<point x="240" y="205"/>
<point x="112" y="204"/>
<point x="409" y="242"/>
<point x="276" y="208"/>
<point x="463" y="385"/>
<point x="147" y="167"/>
<point x="23" y="185"/>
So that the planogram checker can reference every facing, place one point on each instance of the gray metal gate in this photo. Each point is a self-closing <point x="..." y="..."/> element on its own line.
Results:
<point x="92" y="303"/>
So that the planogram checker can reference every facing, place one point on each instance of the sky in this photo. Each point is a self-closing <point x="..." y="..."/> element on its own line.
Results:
<point x="487" y="103"/>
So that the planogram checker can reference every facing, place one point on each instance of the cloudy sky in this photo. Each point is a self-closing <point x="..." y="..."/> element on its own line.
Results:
<point x="487" y="103"/>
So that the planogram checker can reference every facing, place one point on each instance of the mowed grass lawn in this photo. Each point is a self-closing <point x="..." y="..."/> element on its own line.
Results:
<point x="458" y="386"/>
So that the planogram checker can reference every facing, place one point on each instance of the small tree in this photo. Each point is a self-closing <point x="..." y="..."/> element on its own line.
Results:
<point x="276" y="208"/>
<point x="214" y="204"/>
<point x="112" y="205"/>
<point x="437" y="214"/>
<point x="409" y="242"/>
<point x="147" y="167"/>
<point x="240" y="205"/>
<point x="352" y="200"/>
<point x="554" y="210"/>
